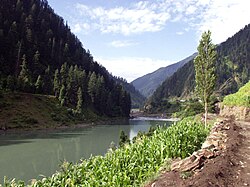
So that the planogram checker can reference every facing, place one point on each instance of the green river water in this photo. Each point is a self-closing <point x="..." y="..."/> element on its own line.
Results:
<point x="29" y="155"/>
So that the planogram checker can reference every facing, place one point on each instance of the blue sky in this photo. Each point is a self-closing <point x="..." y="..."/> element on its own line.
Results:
<point x="134" y="37"/>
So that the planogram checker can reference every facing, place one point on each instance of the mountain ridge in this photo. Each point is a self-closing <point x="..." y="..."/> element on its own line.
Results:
<point x="232" y="71"/>
<point x="148" y="83"/>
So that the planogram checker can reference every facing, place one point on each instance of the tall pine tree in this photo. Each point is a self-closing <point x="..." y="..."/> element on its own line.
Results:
<point x="79" y="100"/>
<point x="24" y="81"/>
<point x="204" y="64"/>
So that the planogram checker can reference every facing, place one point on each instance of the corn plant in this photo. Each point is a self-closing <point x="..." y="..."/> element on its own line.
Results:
<point x="132" y="164"/>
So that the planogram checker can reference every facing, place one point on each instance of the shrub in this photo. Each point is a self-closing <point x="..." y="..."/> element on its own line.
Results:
<point x="240" y="98"/>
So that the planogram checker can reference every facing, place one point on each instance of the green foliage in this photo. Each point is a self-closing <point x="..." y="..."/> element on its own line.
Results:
<point x="232" y="71"/>
<point x="39" y="54"/>
<point x="137" y="99"/>
<point x="191" y="107"/>
<point x="204" y="64"/>
<point x="240" y="98"/>
<point x="92" y="87"/>
<point x="132" y="164"/>
<point x="124" y="139"/>
<point x="24" y="110"/>
<point x="79" y="100"/>
<point x="62" y="95"/>
<point x="39" y="84"/>
<point x="24" y="76"/>
<point x="11" y="83"/>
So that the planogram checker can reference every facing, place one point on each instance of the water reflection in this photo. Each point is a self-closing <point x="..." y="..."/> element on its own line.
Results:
<point x="29" y="155"/>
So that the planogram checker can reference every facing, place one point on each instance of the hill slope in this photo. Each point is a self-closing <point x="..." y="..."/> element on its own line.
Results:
<point x="240" y="98"/>
<point x="29" y="111"/>
<point x="137" y="99"/>
<point x="147" y="84"/>
<point x="232" y="70"/>
<point x="39" y="54"/>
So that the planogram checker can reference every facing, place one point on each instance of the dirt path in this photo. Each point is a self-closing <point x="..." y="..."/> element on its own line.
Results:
<point x="230" y="169"/>
<point x="243" y="155"/>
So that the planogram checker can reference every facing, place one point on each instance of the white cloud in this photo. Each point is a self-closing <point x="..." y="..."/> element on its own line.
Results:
<point x="191" y="10"/>
<point x="124" y="43"/>
<point x="131" y="68"/>
<point x="78" y="28"/>
<point x="224" y="18"/>
<point x="140" y="17"/>
<point x="179" y="33"/>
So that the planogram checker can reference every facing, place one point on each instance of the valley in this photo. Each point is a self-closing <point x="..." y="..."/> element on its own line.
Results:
<point x="68" y="119"/>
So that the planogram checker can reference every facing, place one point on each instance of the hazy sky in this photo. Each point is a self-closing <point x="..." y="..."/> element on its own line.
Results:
<point x="132" y="38"/>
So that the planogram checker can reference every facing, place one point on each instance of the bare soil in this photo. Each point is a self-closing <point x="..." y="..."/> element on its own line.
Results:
<point x="230" y="169"/>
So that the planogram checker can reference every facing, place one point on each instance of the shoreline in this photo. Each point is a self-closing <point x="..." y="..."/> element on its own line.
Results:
<point x="46" y="129"/>
<point x="84" y="124"/>
<point x="149" y="118"/>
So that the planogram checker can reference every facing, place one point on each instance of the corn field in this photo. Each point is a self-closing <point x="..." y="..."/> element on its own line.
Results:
<point x="132" y="164"/>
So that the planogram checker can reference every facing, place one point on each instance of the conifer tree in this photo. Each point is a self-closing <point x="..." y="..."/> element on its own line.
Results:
<point x="204" y="64"/>
<point x="56" y="83"/>
<point x="79" y="100"/>
<point x="47" y="79"/>
<point x="39" y="84"/>
<point x="62" y="94"/>
<point x="63" y="73"/>
<point x="36" y="60"/>
<point x="10" y="83"/>
<point x="24" y="77"/>
<point x="92" y="86"/>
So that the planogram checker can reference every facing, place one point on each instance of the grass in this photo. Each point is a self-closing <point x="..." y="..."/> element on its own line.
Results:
<point x="133" y="164"/>
<point x="23" y="110"/>
<point x="240" y="98"/>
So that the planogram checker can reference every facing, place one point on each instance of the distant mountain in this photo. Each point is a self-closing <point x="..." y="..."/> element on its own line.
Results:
<point x="232" y="71"/>
<point x="147" y="84"/>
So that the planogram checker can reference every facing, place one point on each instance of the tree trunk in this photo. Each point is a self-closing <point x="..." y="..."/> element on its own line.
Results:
<point x="206" y="114"/>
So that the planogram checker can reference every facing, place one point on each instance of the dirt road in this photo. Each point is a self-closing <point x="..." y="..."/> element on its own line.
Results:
<point x="230" y="169"/>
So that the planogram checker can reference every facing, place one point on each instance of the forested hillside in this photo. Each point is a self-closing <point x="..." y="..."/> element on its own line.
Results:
<point x="147" y="84"/>
<point x="232" y="71"/>
<point x="39" y="54"/>
<point x="137" y="99"/>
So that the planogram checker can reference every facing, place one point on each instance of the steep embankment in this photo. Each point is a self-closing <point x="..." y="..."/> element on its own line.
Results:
<point x="237" y="105"/>
<point x="29" y="111"/>
<point x="231" y="166"/>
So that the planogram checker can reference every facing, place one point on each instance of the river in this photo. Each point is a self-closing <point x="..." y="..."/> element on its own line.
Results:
<point x="30" y="155"/>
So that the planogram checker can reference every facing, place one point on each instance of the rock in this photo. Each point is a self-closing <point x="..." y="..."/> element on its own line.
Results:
<point x="190" y="163"/>
<point x="208" y="153"/>
<point x="237" y="112"/>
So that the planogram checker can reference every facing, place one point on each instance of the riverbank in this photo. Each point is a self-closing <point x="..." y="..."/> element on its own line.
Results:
<point x="135" y="114"/>
<point x="23" y="112"/>
<point x="60" y="127"/>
